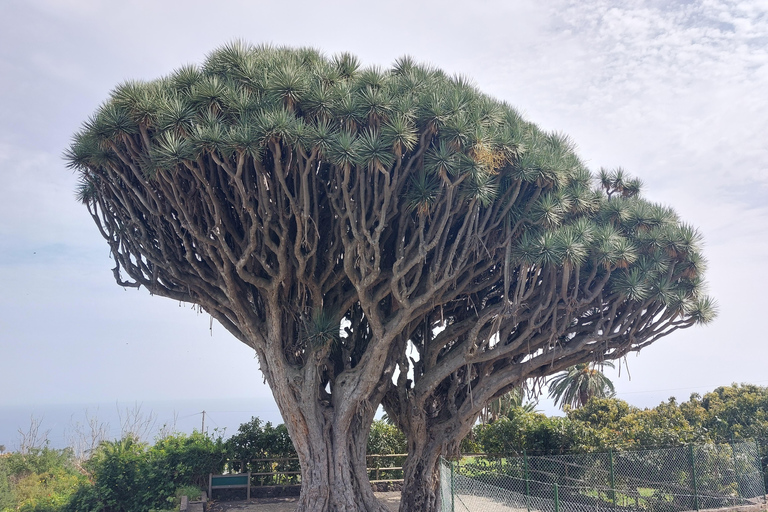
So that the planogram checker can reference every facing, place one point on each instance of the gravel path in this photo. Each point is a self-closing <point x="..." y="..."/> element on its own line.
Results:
<point x="391" y="500"/>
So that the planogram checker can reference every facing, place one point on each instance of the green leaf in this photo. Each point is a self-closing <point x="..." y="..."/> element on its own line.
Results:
<point x="346" y="64"/>
<point x="704" y="310"/>
<point x="372" y="78"/>
<point x="185" y="78"/>
<point x="550" y="210"/>
<point x="374" y="104"/>
<point x="321" y="330"/>
<point x="323" y="136"/>
<point x="422" y="192"/>
<point x="441" y="159"/>
<point x="631" y="284"/>
<point x="176" y="114"/>
<point x="574" y="249"/>
<point x="288" y="85"/>
<point x="210" y="137"/>
<point x="209" y="93"/>
<point x="342" y="149"/>
<point x="372" y="151"/>
<point x="348" y="110"/>
<point x="399" y="133"/>
<point x="113" y="122"/>
<point x="319" y="101"/>
<point x="171" y="149"/>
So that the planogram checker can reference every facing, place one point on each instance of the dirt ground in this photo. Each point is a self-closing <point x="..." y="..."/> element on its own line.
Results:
<point x="392" y="501"/>
<point x="288" y="504"/>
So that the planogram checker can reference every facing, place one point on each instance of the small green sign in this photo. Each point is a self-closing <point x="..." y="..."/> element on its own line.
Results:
<point x="226" y="480"/>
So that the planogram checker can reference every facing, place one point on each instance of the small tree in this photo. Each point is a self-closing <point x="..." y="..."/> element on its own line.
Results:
<point x="348" y="223"/>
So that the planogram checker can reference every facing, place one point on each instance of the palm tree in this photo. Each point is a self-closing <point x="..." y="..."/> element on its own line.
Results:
<point x="502" y="405"/>
<point x="577" y="384"/>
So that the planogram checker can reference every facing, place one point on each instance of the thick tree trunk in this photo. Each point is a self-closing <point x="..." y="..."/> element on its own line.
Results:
<point x="333" y="474"/>
<point x="428" y="440"/>
<point x="329" y="428"/>
<point x="421" y="478"/>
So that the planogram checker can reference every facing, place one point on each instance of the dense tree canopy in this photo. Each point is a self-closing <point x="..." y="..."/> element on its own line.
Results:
<point x="376" y="236"/>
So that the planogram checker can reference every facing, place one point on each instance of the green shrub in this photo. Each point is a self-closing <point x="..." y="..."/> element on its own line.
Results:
<point x="192" y="492"/>
<point x="184" y="460"/>
<point x="40" y="480"/>
<point x="386" y="439"/>
<point x="84" y="499"/>
<point x="118" y="469"/>
<point x="7" y="499"/>
<point x="254" y="441"/>
<point x="47" y="492"/>
<point x="131" y="476"/>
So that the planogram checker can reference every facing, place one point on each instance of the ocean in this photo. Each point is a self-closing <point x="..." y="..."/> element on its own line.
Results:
<point x="64" y="424"/>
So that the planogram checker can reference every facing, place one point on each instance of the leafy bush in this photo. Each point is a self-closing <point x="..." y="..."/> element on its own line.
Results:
<point x="128" y="475"/>
<point x="84" y="499"/>
<point x="118" y="469"/>
<point x="254" y="441"/>
<point x="386" y="439"/>
<point x="7" y="499"/>
<point x="39" y="480"/>
<point x="522" y="430"/>
<point x="192" y="492"/>
<point x="47" y="492"/>
<point x="184" y="460"/>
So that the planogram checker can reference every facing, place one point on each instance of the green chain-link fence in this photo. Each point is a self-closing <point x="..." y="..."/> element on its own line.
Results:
<point x="669" y="480"/>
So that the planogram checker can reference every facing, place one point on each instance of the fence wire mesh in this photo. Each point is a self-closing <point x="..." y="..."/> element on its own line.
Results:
<point x="667" y="480"/>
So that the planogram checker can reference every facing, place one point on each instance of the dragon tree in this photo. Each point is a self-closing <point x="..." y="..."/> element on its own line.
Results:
<point x="388" y="237"/>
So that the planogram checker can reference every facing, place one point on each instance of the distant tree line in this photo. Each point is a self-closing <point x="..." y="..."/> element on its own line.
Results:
<point x="728" y="413"/>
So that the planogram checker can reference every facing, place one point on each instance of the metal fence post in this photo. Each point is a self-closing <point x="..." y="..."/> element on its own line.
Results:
<point x="527" y="482"/>
<point x="453" y="505"/>
<point x="613" y="480"/>
<point x="693" y="475"/>
<point x="557" y="500"/>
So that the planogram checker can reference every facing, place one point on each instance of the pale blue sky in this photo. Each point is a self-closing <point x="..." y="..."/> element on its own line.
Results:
<point x="674" y="92"/>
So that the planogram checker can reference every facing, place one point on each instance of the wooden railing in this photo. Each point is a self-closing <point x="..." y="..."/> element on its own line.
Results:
<point x="286" y="471"/>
